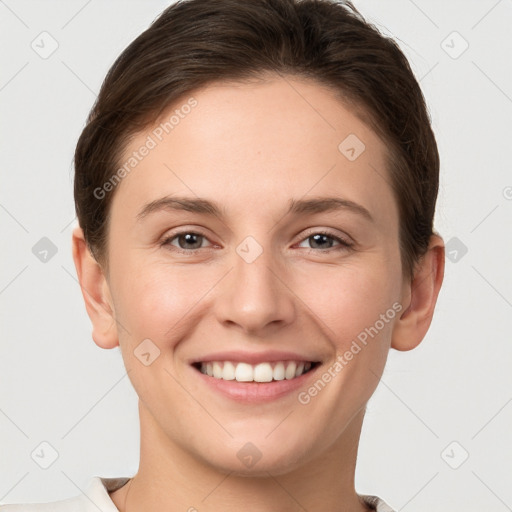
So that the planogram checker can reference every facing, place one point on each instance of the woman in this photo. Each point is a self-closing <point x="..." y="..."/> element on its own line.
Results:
<point x="255" y="188"/>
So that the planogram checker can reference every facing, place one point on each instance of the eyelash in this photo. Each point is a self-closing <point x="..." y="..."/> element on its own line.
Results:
<point x="343" y="243"/>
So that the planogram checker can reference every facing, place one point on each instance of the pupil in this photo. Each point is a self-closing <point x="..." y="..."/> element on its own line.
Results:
<point x="189" y="239"/>
<point x="316" y="237"/>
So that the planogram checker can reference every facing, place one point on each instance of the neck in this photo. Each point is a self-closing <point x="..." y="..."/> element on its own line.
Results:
<point x="172" y="479"/>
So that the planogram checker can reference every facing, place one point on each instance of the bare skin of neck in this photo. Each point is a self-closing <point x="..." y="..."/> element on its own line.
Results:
<point x="324" y="484"/>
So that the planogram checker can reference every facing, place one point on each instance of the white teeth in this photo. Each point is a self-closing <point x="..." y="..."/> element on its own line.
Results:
<point x="279" y="371"/>
<point x="217" y="370"/>
<point x="244" y="372"/>
<point x="228" y="372"/>
<point x="262" y="372"/>
<point x="290" y="370"/>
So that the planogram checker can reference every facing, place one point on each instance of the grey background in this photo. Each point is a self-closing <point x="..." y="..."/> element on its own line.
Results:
<point x="449" y="398"/>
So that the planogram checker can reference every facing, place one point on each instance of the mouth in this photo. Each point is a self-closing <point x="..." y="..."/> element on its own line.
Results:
<point x="262" y="372"/>
<point x="255" y="377"/>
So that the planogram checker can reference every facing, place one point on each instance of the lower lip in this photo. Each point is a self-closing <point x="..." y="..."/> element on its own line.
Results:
<point x="256" y="392"/>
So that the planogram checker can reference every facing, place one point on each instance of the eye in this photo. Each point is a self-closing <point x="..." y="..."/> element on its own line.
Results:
<point x="188" y="241"/>
<point x="324" y="240"/>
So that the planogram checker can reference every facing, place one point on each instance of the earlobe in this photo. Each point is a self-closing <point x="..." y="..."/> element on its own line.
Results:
<point x="420" y="298"/>
<point x="96" y="293"/>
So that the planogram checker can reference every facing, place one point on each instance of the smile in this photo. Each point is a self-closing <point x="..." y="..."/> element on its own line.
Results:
<point x="261" y="372"/>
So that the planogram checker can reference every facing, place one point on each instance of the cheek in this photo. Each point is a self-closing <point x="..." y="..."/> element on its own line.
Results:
<point x="156" y="300"/>
<point x="163" y="301"/>
<point x="352" y="302"/>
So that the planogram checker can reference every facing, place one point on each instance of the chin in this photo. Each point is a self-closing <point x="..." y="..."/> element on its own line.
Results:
<point x="252" y="459"/>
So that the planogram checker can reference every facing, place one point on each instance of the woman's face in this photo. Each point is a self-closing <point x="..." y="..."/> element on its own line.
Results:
<point x="258" y="271"/>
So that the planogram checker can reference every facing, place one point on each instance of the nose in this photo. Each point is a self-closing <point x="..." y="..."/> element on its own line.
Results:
<point x="255" y="296"/>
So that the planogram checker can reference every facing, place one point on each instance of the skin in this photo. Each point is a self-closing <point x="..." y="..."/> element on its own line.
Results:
<point x="252" y="147"/>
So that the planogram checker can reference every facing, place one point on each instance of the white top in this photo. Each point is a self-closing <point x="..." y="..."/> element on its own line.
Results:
<point x="96" y="498"/>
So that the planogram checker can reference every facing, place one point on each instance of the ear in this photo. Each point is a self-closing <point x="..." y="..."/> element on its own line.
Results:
<point x="96" y="293"/>
<point x="420" y="296"/>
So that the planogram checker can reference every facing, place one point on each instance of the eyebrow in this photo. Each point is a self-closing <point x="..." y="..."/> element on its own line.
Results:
<point x="210" y="208"/>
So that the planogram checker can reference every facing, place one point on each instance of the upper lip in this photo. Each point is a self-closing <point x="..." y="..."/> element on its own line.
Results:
<point x="253" y="357"/>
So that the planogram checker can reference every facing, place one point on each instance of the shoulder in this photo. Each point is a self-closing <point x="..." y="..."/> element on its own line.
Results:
<point x="376" y="503"/>
<point x="95" y="497"/>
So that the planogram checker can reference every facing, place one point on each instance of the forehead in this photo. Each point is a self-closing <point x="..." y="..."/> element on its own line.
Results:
<point x="259" y="144"/>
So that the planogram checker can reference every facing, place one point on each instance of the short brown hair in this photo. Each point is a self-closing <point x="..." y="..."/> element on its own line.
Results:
<point x="194" y="43"/>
